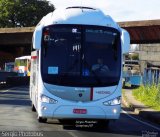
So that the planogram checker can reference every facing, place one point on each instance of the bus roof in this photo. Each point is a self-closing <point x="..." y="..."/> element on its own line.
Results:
<point x="78" y="15"/>
<point x="24" y="57"/>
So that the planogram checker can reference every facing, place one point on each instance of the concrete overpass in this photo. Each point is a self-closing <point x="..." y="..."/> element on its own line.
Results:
<point x="140" y="31"/>
<point x="17" y="41"/>
<point x="143" y="32"/>
<point x="16" y="36"/>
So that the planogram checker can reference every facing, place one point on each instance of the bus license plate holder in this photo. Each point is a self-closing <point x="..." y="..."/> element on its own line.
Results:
<point x="80" y="111"/>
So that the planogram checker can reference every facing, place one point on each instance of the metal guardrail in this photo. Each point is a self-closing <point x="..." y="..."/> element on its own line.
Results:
<point x="4" y="75"/>
<point x="10" y="79"/>
<point x="18" y="81"/>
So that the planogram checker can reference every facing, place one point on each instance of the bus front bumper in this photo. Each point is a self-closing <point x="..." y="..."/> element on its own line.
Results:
<point x="85" y="112"/>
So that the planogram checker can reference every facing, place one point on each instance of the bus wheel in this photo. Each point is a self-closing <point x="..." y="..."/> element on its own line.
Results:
<point x="103" y="124"/>
<point x="42" y="120"/>
<point x="66" y="121"/>
<point x="133" y="86"/>
<point x="33" y="108"/>
<point x="123" y="84"/>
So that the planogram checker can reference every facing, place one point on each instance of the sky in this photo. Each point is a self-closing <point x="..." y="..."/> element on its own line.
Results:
<point x="119" y="10"/>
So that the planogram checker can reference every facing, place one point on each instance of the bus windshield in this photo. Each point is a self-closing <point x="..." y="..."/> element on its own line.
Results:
<point x="81" y="55"/>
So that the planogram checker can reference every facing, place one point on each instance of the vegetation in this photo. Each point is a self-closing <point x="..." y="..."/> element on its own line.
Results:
<point x="23" y="13"/>
<point x="133" y="56"/>
<point x="149" y="95"/>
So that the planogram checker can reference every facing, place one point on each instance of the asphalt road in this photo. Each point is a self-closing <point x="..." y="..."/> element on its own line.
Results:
<point x="17" y="119"/>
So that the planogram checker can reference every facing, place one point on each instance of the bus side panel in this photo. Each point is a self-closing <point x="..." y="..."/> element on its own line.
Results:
<point x="34" y="78"/>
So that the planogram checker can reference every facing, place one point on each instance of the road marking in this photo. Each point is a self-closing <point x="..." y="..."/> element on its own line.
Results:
<point x="72" y="134"/>
<point x="14" y="88"/>
<point x="145" y="123"/>
<point x="4" y="90"/>
<point x="8" y="89"/>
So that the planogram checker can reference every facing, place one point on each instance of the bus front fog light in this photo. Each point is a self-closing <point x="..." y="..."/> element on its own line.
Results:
<point x="115" y="101"/>
<point x="44" y="108"/>
<point x="114" y="111"/>
<point x="49" y="100"/>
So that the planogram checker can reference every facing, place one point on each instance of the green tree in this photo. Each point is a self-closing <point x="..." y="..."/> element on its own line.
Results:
<point x="23" y="13"/>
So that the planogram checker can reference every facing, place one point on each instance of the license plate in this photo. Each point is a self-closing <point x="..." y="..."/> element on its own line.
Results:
<point x="79" y="111"/>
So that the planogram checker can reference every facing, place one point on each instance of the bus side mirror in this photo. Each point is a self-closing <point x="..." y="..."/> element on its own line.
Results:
<point x="37" y="37"/>
<point x="125" y="41"/>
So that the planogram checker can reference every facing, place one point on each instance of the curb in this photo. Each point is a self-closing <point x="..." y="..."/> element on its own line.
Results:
<point x="148" y="115"/>
<point x="126" y="103"/>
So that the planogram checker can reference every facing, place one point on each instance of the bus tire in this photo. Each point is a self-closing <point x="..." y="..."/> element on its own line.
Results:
<point x="42" y="120"/>
<point x="103" y="124"/>
<point x="66" y="121"/>
<point x="123" y="84"/>
<point x="133" y="86"/>
<point x="33" y="108"/>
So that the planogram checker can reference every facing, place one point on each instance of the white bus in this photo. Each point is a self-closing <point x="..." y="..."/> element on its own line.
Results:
<point x="22" y="65"/>
<point x="66" y="82"/>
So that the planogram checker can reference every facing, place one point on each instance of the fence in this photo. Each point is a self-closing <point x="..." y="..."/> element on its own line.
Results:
<point x="151" y="76"/>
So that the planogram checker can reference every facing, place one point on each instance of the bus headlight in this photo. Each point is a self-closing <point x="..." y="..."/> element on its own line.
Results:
<point x="115" y="101"/>
<point x="49" y="100"/>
